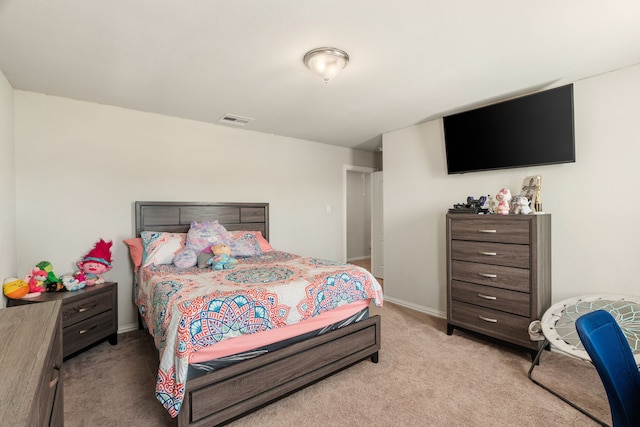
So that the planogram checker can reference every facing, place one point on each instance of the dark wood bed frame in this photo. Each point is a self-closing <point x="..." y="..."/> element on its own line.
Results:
<point x="231" y="392"/>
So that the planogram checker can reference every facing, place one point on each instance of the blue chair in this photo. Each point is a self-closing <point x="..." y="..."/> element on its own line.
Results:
<point x="611" y="355"/>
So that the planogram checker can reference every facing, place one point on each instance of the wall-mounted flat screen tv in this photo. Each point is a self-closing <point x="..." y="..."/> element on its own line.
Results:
<point x="532" y="130"/>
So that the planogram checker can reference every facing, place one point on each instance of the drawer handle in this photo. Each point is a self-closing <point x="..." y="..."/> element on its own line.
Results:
<point x="488" y="319"/>
<point x="84" y="331"/>
<point x="487" y="231"/>
<point x="54" y="381"/>
<point x="488" y="253"/>
<point x="491" y="276"/>
<point x="487" y="297"/>
<point x="83" y="309"/>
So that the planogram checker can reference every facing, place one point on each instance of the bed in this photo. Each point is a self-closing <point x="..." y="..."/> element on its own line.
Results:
<point x="227" y="377"/>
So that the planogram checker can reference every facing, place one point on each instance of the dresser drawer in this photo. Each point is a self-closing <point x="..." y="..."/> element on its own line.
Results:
<point x="89" y="331"/>
<point x="494" y="323"/>
<point x="50" y="396"/>
<point x="511" y="255"/>
<point x="490" y="230"/>
<point x="516" y="279"/>
<point x="494" y="298"/>
<point x="86" y="306"/>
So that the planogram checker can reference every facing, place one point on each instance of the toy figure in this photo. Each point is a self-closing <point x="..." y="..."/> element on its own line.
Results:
<point x="492" y="204"/>
<point x="72" y="283"/>
<point x="520" y="205"/>
<point x="15" y="288"/>
<point x="52" y="283"/>
<point x="95" y="263"/>
<point x="222" y="259"/>
<point x="503" y="197"/>
<point x="35" y="279"/>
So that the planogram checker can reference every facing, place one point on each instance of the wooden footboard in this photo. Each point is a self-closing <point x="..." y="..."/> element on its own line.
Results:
<point x="234" y="391"/>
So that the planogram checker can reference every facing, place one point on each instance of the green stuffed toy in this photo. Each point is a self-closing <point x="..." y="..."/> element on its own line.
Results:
<point x="52" y="283"/>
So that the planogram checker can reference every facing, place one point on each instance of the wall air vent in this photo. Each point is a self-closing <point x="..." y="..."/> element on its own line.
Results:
<point x="231" y="119"/>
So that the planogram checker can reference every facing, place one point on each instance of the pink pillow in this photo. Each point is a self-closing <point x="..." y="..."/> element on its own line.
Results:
<point x="135" y="251"/>
<point x="264" y="245"/>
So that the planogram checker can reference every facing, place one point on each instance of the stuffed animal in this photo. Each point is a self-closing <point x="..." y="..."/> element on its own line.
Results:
<point x="72" y="283"/>
<point x="492" y="204"/>
<point x="80" y="276"/>
<point x="52" y="283"/>
<point x="15" y="288"/>
<point x="95" y="263"/>
<point x="200" y="237"/>
<point x="35" y="279"/>
<point x="520" y="205"/>
<point x="222" y="259"/>
<point x="503" y="197"/>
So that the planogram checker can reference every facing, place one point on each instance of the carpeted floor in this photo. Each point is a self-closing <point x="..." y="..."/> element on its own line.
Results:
<point x="424" y="378"/>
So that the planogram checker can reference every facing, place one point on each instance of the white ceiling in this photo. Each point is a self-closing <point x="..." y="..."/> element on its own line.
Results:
<point x="411" y="60"/>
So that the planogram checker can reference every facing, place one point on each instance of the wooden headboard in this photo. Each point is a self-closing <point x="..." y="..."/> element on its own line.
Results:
<point x="176" y="217"/>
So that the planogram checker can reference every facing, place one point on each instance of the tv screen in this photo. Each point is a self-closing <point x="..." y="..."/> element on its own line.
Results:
<point x="533" y="130"/>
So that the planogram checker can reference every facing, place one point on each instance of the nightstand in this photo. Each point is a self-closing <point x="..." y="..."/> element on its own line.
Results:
<point x="89" y="315"/>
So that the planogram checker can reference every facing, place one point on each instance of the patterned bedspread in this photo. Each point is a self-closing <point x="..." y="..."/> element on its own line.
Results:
<point x="189" y="309"/>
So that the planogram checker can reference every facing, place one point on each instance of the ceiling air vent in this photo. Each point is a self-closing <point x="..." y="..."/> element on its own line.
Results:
<point x="231" y="119"/>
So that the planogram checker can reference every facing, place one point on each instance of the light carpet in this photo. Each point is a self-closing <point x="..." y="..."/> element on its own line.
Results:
<point x="424" y="378"/>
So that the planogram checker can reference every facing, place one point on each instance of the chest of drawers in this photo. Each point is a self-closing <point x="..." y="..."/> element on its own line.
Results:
<point x="31" y="366"/>
<point x="88" y="315"/>
<point x="498" y="274"/>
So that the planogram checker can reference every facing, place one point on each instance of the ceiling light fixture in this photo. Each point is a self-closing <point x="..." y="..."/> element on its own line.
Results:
<point x="326" y="62"/>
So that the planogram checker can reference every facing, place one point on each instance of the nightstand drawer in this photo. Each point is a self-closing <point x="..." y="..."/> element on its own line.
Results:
<point x="494" y="298"/>
<point x="82" y="334"/>
<point x="87" y="306"/>
<point x="516" y="279"/>
<point x="491" y="253"/>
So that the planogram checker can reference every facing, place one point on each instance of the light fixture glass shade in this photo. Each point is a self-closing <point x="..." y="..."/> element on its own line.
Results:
<point x="326" y="62"/>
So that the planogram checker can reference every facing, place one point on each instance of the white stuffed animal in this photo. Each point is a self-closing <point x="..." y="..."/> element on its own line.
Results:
<point x="72" y="283"/>
<point x="520" y="205"/>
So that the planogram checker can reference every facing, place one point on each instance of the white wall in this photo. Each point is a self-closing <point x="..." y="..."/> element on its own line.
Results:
<point x="7" y="185"/>
<point x="80" y="167"/>
<point x="593" y="202"/>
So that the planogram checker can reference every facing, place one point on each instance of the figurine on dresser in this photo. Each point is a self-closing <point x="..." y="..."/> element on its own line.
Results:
<point x="95" y="263"/>
<point x="520" y="205"/>
<point x="504" y="198"/>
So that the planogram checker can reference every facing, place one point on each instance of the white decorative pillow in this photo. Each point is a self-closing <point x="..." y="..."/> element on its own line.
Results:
<point x="161" y="247"/>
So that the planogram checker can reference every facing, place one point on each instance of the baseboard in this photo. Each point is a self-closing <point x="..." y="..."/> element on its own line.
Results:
<point x="416" y="307"/>
<point x="128" y="328"/>
<point x="358" y="258"/>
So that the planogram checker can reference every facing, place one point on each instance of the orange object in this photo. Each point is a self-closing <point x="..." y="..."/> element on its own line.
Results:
<point x="15" y="288"/>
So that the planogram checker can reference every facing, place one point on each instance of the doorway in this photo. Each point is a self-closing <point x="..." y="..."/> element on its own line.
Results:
<point x="362" y="199"/>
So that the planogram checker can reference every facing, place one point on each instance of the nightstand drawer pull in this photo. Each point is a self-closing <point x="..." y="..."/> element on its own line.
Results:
<point x="488" y="253"/>
<point x="487" y="297"/>
<point x="83" y="309"/>
<point x="488" y="319"/>
<point x="84" y="331"/>
<point x="487" y="231"/>
<point x="491" y="276"/>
